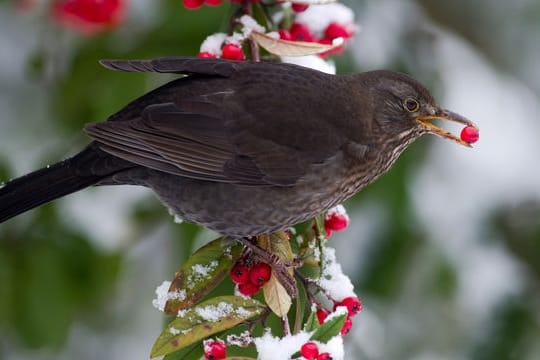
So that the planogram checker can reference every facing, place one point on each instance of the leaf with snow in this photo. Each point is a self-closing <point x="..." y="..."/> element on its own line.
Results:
<point x="330" y="328"/>
<point x="201" y="273"/>
<point x="201" y="321"/>
<point x="276" y="297"/>
<point x="292" y="48"/>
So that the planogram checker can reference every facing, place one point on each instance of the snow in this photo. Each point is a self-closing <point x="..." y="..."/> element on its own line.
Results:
<point x="174" y="331"/>
<point x="317" y="18"/>
<point x="273" y="348"/>
<point x="212" y="43"/>
<point x="336" y="284"/>
<point x="338" y="210"/>
<point x="334" y="346"/>
<point x="163" y="295"/>
<point x="313" y="62"/>
<point x="199" y="272"/>
<point x="249" y="24"/>
<point x="241" y="340"/>
<point x="213" y="313"/>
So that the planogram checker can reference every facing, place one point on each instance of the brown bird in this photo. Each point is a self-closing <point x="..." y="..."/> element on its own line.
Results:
<point x="244" y="148"/>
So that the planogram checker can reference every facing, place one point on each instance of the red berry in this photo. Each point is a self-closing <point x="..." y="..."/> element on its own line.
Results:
<point x="206" y="54"/>
<point x="309" y="351"/>
<point x="260" y="274"/>
<point x="336" y="221"/>
<point x="335" y="30"/>
<point x="193" y="4"/>
<point x="299" y="7"/>
<point x="322" y="314"/>
<point x="470" y="134"/>
<point x="215" y="350"/>
<point x="232" y="52"/>
<point x="239" y="274"/>
<point x="353" y="305"/>
<point x="324" y="356"/>
<point x="89" y="16"/>
<point x="347" y="325"/>
<point x="285" y="34"/>
<point x="248" y="289"/>
<point x="300" y="32"/>
<point x="212" y="2"/>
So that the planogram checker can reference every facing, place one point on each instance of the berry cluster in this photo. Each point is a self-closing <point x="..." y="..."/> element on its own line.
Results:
<point x="353" y="305"/>
<point x="336" y="220"/>
<point x="89" y="16"/>
<point x="250" y="279"/>
<point x="310" y="351"/>
<point x="214" y="350"/>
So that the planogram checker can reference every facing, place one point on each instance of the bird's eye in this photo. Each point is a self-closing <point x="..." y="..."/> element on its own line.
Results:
<point x="411" y="105"/>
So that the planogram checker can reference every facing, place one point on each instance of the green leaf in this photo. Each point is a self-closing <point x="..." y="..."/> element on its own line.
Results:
<point x="208" y="318"/>
<point x="312" y="323"/>
<point x="329" y="329"/>
<point x="193" y="352"/>
<point x="201" y="273"/>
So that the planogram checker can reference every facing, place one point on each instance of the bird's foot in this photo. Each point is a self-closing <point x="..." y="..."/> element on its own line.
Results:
<point x="280" y="267"/>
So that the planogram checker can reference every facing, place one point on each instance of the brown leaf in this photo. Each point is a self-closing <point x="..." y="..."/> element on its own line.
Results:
<point x="292" y="48"/>
<point x="277" y="297"/>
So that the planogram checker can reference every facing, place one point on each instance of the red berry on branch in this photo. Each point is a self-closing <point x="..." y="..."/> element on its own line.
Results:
<point x="470" y="134"/>
<point x="347" y="325"/>
<point x="336" y="221"/>
<point x="322" y="314"/>
<point x="353" y="305"/>
<point x="324" y="356"/>
<point x="206" y="54"/>
<point x="239" y="274"/>
<point x="212" y="2"/>
<point x="335" y="30"/>
<point x="89" y="16"/>
<point x="299" y="7"/>
<point x="285" y="34"/>
<point x="232" y="52"/>
<point x="248" y="289"/>
<point x="193" y="4"/>
<point x="215" y="350"/>
<point x="260" y="274"/>
<point x="309" y="351"/>
<point x="300" y="32"/>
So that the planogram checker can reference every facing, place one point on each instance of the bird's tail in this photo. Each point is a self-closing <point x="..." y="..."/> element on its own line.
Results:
<point x="41" y="186"/>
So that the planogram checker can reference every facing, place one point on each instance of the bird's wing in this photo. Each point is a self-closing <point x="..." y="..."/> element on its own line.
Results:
<point x="239" y="122"/>
<point x="198" y="145"/>
<point x="178" y="65"/>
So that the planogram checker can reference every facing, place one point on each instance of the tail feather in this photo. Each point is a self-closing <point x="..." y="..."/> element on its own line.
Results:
<point x="87" y="168"/>
<point x="41" y="186"/>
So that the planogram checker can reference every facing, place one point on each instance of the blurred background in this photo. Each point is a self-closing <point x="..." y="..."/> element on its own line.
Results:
<point x="444" y="250"/>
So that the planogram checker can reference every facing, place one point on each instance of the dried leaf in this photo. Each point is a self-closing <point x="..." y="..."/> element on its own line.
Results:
<point x="208" y="318"/>
<point x="292" y="48"/>
<point x="201" y="273"/>
<point x="277" y="297"/>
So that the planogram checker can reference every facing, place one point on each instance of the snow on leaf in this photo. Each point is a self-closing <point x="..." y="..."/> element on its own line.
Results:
<point x="201" y="273"/>
<point x="293" y="48"/>
<point x="203" y="320"/>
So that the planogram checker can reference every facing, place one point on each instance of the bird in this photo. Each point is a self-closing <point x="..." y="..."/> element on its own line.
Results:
<point x="244" y="148"/>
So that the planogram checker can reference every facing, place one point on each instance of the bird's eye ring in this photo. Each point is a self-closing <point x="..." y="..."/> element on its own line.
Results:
<point x="411" y="105"/>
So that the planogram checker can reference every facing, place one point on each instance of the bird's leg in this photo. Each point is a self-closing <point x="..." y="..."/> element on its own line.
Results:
<point x="280" y="267"/>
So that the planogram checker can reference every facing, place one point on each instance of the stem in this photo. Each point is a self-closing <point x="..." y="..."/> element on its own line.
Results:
<point x="285" y="325"/>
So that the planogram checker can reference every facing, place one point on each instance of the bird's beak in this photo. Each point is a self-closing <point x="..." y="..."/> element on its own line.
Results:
<point x="425" y="121"/>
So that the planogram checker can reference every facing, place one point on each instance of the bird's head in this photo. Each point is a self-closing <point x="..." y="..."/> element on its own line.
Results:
<point x="403" y="108"/>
